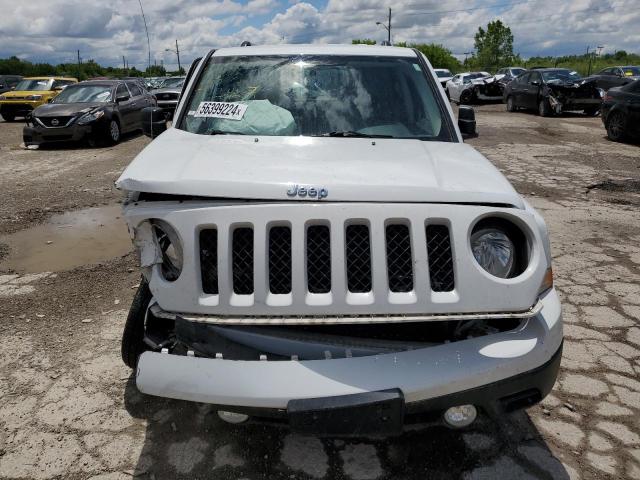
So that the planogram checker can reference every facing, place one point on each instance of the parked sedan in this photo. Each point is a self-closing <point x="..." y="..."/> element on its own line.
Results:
<point x="621" y="112"/>
<point x="616" y="76"/>
<point x="99" y="111"/>
<point x="168" y="94"/>
<point x="553" y="90"/>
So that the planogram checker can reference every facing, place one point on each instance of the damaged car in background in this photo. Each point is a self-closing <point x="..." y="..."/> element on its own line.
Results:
<point x="471" y="87"/>
<point x="320" y="248"/>
<point x="553" y="91"/>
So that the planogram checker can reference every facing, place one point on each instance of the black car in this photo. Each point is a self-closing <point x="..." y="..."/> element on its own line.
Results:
<point x="99" y="111"/>
<point x="616" y="76"/>
<point x="621" y="112"/>
<point x="8" y="82"/>
<point x="552" y="90"/>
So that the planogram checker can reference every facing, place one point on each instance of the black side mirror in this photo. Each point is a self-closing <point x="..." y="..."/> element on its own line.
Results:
<point x="122" y="98"/>
<point x="154" y="121"/>
<point x="467" y="121"/>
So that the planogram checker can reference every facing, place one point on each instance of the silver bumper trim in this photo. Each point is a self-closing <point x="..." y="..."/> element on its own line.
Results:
<point x="336" y="320"/>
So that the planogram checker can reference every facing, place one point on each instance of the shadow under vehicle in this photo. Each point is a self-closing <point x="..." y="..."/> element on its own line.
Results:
<point x="621" y="112"/>
<point x="98" y="111"/>
<point x="553" y="91"/>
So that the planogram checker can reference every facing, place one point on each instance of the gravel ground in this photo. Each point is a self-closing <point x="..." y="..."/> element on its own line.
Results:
<point x="69" y="408"/>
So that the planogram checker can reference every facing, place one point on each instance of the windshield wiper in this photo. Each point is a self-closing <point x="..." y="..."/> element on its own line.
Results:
<point x="224" y="132"/>
<point x="350" y="133"/>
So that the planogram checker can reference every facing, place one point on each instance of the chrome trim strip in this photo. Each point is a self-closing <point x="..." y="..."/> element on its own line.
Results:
<point x="59" y="126"/>
<point x="334" y="320"/>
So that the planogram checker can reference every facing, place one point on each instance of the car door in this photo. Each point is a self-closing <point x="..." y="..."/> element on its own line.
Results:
<point x="138" y="102"/>
<point x="519" y="86"/>
<point x="633" y="107"/>
<point x="532" y="90"/>
<point x="126" y="107"/>
<point x="452" y="87"/>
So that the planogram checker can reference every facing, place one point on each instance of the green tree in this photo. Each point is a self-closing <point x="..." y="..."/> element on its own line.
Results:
<point x="494" y="47"/>
<point x="363" y="41"/>
<point x="438" y="55"/>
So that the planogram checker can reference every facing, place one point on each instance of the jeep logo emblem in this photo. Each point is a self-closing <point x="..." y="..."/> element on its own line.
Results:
<point x="307" y="192"/>
<point x="54" y="122"/>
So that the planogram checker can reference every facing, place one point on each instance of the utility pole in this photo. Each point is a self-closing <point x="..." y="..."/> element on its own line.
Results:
<point x="79" y="65"/>
<point x="177" y="52"/>
<point x="387" y="27"/>
<point x="146" y="30"/>
<point x="124" y="63"/>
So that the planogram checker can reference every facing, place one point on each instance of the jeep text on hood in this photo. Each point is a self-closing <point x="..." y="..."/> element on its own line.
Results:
<point x="320" y="248"/>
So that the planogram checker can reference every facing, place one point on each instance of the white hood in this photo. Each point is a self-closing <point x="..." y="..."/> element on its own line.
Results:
<point x="349" y="169"/>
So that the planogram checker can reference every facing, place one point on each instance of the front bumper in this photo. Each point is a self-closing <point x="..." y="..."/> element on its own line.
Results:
<point x="19" y="108"/>
<point x="38" y="135"/>
<point x="499" y="366"/>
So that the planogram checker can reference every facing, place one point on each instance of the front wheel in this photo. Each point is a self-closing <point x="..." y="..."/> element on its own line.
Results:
<point x="466" y="97"/>
<point x="133" y="336"/>
<point x="113" y="132"/>
<point x="544" y="110"/>
<point x="8" y="117"/>
<point x="615" y="126"/>
<point x="511" y="106"/>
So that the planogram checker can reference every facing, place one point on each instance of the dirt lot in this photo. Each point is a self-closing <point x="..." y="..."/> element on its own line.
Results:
<point x="69" y="407"/>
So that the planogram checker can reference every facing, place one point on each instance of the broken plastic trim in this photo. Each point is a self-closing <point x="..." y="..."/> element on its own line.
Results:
<point x="324" y="320"/>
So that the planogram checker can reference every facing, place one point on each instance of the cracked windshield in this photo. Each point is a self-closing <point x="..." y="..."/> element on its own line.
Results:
<point x="316" y="96"/>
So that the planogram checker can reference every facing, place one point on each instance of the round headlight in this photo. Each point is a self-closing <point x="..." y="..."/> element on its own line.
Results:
<point x="171" y="249"/>
<point x="494" y="251"/>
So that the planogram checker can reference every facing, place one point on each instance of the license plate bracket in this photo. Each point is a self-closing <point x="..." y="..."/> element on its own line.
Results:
<point x="369" y="413"/>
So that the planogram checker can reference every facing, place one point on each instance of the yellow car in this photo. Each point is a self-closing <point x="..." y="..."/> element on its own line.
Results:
<point x="30" y="93"/>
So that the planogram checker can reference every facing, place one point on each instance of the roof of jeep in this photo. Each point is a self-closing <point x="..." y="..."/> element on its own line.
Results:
<point x="301" y="49"/>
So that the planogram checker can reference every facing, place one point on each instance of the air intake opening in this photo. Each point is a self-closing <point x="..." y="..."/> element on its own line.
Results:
<point x="242" y="261"/>
<point x="358" y="251"/>
<point x="209" y="260"/>
<point x="318" y="259"/>
<point x="280" y="260"/>
<point x="440" y="258"/>
<point x="399" y="258"/>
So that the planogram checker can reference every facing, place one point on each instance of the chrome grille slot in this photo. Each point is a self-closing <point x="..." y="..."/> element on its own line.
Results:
<point x="209" y="260"/>
<point x="440" y="258"/>
<point x="358" y="258"/>
<point x="242" y="261"/>
<point x="318" y="259"/>
<point x="280" y="260"/>
<point x="399" y="258"/>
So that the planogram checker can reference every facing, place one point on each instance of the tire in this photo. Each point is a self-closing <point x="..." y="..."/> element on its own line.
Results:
<point x="133" y="336"/>
<point x="466" y="97"/>
<point x="615" y="126"/>
<point x="544" y="110"/>
<point x="113" y="133"/>
<point x="591" y="112"/>
<point x="8" y="117"/>
<point x="511" y="107"/>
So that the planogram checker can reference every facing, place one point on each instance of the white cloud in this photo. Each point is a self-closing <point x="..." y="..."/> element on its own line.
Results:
<point x="53" y="30"/>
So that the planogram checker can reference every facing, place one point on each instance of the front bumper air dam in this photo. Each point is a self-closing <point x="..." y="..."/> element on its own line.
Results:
<point x="422" y="376"/>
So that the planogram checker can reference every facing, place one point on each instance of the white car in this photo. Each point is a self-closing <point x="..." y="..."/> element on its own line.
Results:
<point x="319" y="247"/>
<point x="443" y="75"/>
<point x="470" y="86"/>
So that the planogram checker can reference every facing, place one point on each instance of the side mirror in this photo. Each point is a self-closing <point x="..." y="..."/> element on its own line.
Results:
<point x="467" y="121"/>
<point x="49" y="100"/>
<point x="12" y="88"/>
<point x="154" y="121"/>
<point x="535" y="82"/>
<point x="122" y="98"/>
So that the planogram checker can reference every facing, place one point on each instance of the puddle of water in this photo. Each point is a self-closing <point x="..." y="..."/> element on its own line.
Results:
<point x="67" y="241"/>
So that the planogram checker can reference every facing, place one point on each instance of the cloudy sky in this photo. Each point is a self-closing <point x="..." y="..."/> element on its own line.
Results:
<point x="105" y="30"/>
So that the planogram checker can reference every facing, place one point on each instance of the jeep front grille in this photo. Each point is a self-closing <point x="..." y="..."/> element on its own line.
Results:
<point x="318" y="259"/>
<point x="242" y="266"/>
<point x="440" y="258"/>
<point x="359" y="267"/>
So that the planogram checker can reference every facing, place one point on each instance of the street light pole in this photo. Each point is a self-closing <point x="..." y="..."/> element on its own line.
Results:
<point x="387" y="27"/>
<point x="146" y="30"/>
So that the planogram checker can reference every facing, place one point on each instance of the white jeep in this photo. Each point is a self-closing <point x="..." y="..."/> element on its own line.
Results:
<point x="320" y="248"/>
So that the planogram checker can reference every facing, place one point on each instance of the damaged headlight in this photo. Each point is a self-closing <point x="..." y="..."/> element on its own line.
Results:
<point x="170" y="248"/>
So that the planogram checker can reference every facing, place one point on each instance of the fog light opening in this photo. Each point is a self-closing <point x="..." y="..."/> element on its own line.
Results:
<point x="232" y="417"/>
<point x="460" y="416"/>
